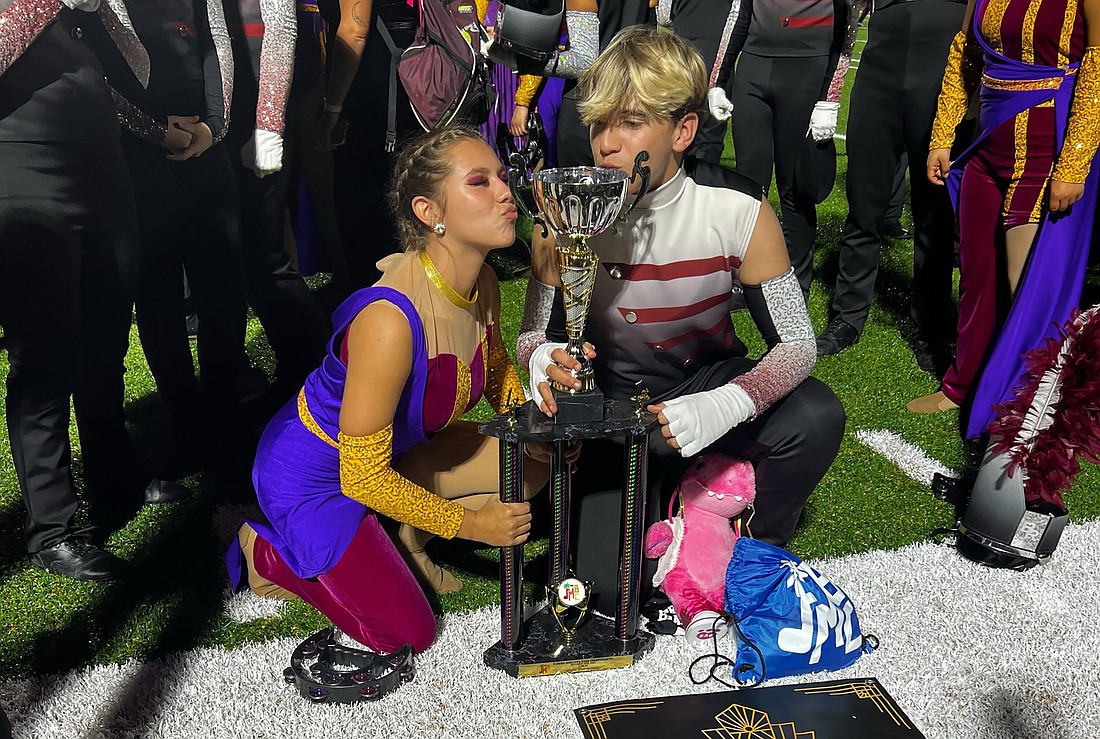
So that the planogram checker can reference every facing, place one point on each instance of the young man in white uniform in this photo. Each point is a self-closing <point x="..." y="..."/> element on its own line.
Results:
<point x="660" y="310"/>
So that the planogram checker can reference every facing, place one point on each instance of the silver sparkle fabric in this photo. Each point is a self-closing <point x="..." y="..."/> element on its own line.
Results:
<point x="790" y="361"/>
<point x="276" y="62"/>
<point x="536" y="317"/>
<point x="215" y="14"/>
<point x="584" y="46"/>
<point x="20" y="23"/>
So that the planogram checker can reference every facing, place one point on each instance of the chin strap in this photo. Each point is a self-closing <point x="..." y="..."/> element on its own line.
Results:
<point x="325" y="671"/>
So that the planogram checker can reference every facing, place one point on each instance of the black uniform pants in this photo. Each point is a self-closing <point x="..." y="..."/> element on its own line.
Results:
<point x="66" y="290"/>
<point x="295" y="326"/>
<point x="702" y="22"/>
<point x="773" y="98"/>
<point x="791" y="445"/>
<point x="890" y="114"/>
<point x="188" y="218"/>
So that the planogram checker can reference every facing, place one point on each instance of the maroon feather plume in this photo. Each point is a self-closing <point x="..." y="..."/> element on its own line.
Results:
<point x="1054" y="420"/>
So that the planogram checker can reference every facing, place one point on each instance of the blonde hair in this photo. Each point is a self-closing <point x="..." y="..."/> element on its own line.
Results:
<point x="659" y="72"/>
<point x="420" y="168"/>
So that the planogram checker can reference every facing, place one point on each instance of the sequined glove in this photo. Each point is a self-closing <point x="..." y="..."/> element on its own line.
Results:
<point x="823" y="121"/>
<point x="700" y="419"/>
<point x="88" y="6"/>
<point x="263" y="153"/>
<point x="720" y="106"/>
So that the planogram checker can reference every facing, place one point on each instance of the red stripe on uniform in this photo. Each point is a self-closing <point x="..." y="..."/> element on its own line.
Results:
<point x="253" y="30"/>
<point x="661" y="315"/>
<point x="674" y="270"/>
<point x="802" y="22"/>
<point x="675" y="341"/>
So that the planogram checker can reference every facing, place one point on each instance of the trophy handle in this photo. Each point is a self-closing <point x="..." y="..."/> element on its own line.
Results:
<point x="640" y="170"/>
<point x="520" y="164"/>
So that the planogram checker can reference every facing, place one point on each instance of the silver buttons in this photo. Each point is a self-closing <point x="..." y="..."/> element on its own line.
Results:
<point x="77" y="33"/>
<point x="631" y="317"/>
<point x="616" y="272"/>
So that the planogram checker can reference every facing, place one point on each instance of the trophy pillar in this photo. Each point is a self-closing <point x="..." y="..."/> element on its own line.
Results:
<point x="511" y="558"/>
<point x="635" y="483"/>
<point x="561" y="502"/>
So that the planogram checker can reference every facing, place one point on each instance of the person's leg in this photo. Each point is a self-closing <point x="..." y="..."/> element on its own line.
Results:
<point x="370" y="594"/>
<point x="40" y="270"/>
<point x="457" y="464"/>
<point x="753" y="124"/>
<point x="874" y="146"/>
<point x="980" y="239"/>
<point x="796" y="84"/>
<point x="932" y="26"/>
<point x="792" y="444"/>
<point x="892" y="219"/>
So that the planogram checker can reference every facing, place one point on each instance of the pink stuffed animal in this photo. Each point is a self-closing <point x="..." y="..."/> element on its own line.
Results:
<point x="694" y="548"/>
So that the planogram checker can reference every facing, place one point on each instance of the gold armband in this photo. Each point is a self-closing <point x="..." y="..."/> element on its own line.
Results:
<point x="960" y="80"/>
<point x="366" y="476"/>
<point x="503" y="388"/>
<point x="1083" y="131"/>
<point x="482" y="9"/>
<point x="528" y="86"/>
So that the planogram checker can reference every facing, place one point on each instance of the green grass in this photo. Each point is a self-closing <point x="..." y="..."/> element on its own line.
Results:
<point x="173" y="601"/>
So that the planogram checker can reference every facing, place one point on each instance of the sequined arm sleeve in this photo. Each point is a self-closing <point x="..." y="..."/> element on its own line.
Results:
<point x="482" y="10"/>
<point x="528" y="86"/>
<point x="217" y="71"/>
<point x="538" y="310"/>
<point x="116" y="20"/>
<point x="366" y="476"/>
<point x="1083" y="131"/>
<point x="960" y="81"/>
<point x="20" y="23"/>
<point x="846" y="40"/>
<point x="503" y="388"/>
<point x="276" y="62"/>
<point x="584" y="44"/>
<point x="134" y="121"/>
<point x="779" y="312"/>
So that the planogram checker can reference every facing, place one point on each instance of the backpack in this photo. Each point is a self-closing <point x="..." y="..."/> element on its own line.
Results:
<point x="443" y="72"/>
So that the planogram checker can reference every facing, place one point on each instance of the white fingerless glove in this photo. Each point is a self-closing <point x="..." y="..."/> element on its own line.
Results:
<point x="700" y="419"/>
<point x="88" y="6"/>
<point x="720" y="106"/>
<point x="540" y="360"/>
<point x="263" y="153"/>
<point x="823" y="120"/>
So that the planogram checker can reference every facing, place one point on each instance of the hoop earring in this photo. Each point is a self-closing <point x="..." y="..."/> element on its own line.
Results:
<point x="439" y="228"/>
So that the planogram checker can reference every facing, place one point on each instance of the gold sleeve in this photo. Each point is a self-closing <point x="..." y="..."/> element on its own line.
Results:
<point x="1083" y="132"/>
<point x="503" y="388"/>
<point x="482" y="9"/>
<point x="960" y="80"/>
<point x="528" y="86"/>
<point x="366" y="476"/>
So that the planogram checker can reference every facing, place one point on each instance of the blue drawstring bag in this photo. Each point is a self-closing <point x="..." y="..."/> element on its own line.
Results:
<point x="789" y="618"/>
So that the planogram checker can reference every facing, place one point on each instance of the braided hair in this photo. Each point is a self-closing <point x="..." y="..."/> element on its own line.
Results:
<point x="420" y="168"/>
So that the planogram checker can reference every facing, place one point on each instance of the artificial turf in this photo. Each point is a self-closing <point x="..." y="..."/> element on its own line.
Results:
<point x="173" y="600"/>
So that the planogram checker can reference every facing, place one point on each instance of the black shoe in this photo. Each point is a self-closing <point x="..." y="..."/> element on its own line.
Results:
<point x="933" y="356"/>
<point x="897" y="231"/>
<point x="165" y="491"/>
<point x="836" y="337"/>
<point x="80" y="560"/>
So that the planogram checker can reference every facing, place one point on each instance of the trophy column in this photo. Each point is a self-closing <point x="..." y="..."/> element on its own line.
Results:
<point x="511" y="558"/>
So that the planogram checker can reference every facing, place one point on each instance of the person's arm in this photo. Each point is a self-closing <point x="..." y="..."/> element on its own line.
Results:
<point x="276" y="72"/>
<point x="582" y="26"/>
<point x="116" y="20"/>
<point x="217" y="69"/>
<point x="693" y="422"/>
<point x="1083" y="132"/>
<point x="347" y="53"/>
<point x="823" y="120"/>
<point x="737" y="38"/>
<point x="961" y="79"/>
<point x="379" y="362"/>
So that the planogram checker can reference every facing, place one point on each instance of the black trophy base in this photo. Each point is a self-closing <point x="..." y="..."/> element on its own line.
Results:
<point x="544" y="651"/>
<point x="578" y="407"/>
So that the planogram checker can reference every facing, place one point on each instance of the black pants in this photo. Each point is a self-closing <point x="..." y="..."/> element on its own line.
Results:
<point x="66" y="289"/>
<point x="791" y="445"/>
<point x="701" y="22"/>
<point x="188" y="218"/>
<point x="773" y="99"/>
<point x="295" y="326"/>
<point x="892" y="107"/>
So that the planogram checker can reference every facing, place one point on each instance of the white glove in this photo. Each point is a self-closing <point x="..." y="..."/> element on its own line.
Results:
<point x="88" y="6"/>
<point x="700" y="419"/>
<point x="263" y="153"/>
<point x="823" y="120"/>
<point x="720" y="106"/>
<point x="540" y="360"/>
